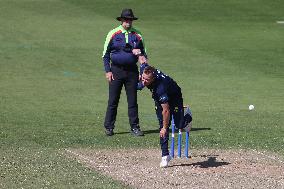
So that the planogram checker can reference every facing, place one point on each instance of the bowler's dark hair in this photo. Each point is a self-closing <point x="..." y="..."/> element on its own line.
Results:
<point x="149" y="70"/>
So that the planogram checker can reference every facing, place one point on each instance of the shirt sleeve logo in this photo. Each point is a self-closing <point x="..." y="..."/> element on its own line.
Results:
<point x="163" y="98"/>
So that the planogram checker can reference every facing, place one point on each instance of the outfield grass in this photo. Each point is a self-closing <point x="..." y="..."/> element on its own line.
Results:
<point x="224" y="54"/>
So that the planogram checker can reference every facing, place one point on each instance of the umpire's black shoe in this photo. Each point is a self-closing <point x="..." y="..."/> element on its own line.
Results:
<point x="137" y="132"/>
<point x="109" y="132"/>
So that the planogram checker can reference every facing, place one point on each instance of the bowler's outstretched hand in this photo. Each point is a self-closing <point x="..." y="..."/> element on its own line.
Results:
<point x="142" y="59"/>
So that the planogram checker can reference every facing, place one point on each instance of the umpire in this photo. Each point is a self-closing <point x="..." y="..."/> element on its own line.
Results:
<point x="123" y="46"/>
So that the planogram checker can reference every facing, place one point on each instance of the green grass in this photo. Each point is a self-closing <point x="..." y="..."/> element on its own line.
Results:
<point x="224" y="54"/>
<point x="37" y="167"/>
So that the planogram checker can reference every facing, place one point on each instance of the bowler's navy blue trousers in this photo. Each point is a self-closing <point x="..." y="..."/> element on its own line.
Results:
<point x="176" y="111"/>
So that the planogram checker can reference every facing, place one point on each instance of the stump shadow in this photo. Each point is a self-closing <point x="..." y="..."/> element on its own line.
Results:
<point x="210" y="162"/>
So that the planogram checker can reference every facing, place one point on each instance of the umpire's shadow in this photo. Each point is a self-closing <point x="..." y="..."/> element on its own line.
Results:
<point x="211" y="162"/>
<point x="145" y="132"/>
<point x="157" y="131"/>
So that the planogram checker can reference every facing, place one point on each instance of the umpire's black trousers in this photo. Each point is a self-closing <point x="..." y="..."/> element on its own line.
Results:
<point x="127" y="76"/>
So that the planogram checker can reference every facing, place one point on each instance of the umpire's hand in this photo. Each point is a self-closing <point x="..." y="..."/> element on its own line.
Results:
<point x="136" y="51"/>
<point x="109" y="76"/>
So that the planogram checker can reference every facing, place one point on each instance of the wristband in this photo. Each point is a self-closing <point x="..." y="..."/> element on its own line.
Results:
<point x="142" y="67"/>
<point x="140" y="86"/>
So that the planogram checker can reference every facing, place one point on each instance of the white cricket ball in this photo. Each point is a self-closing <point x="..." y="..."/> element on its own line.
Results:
<point x="251" y="107"/>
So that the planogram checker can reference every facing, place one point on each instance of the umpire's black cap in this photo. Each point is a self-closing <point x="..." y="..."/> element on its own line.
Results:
<point x="127" y="14"/>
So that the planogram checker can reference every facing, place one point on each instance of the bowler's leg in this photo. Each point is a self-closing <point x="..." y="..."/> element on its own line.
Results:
<point x="182" y="119"/>
<point x="178" y="116"/>
<point x="163" y="141"/>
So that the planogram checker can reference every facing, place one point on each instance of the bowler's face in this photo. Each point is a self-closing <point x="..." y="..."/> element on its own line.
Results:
<point x="147" y="79"/>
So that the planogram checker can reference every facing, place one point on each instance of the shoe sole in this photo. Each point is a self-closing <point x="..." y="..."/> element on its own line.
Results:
<point x="109" y="134"/>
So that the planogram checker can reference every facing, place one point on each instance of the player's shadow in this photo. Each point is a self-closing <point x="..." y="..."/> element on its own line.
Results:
<point x="157" y="131"/>
<point x="211" y="162"/>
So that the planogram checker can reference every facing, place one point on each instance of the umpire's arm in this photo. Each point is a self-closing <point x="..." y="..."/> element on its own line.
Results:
<point x="106" y="57"/>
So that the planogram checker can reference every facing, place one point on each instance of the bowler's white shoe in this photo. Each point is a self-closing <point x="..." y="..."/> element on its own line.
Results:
<point x="165" y="161"/>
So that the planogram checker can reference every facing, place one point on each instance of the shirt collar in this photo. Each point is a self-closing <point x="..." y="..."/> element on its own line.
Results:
<point x="124" y="30"/>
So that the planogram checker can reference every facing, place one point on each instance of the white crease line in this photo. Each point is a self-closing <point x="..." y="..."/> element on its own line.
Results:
<point x="280" y="22"/>
<point x="80" y="156"/>
<point x="87" y="159"/>
<point x="276" y="159"/>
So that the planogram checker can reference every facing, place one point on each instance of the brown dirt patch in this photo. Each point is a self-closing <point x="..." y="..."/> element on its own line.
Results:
<point x="206" y="169"/>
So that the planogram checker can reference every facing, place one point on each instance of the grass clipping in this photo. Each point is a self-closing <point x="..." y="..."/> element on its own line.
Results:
<point x="139" y="168"/>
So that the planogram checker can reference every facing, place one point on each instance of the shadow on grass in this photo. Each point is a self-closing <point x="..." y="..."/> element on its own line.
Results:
<point x="157" y="131"/>
<point x="211" y="162"/>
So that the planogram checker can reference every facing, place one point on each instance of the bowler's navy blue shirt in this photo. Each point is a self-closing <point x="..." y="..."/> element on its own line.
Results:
<point x="165" y="90"/>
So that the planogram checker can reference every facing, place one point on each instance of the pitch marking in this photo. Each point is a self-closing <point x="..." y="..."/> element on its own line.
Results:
<point x="271" y="157"/>
<point x="87" y="160"/>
